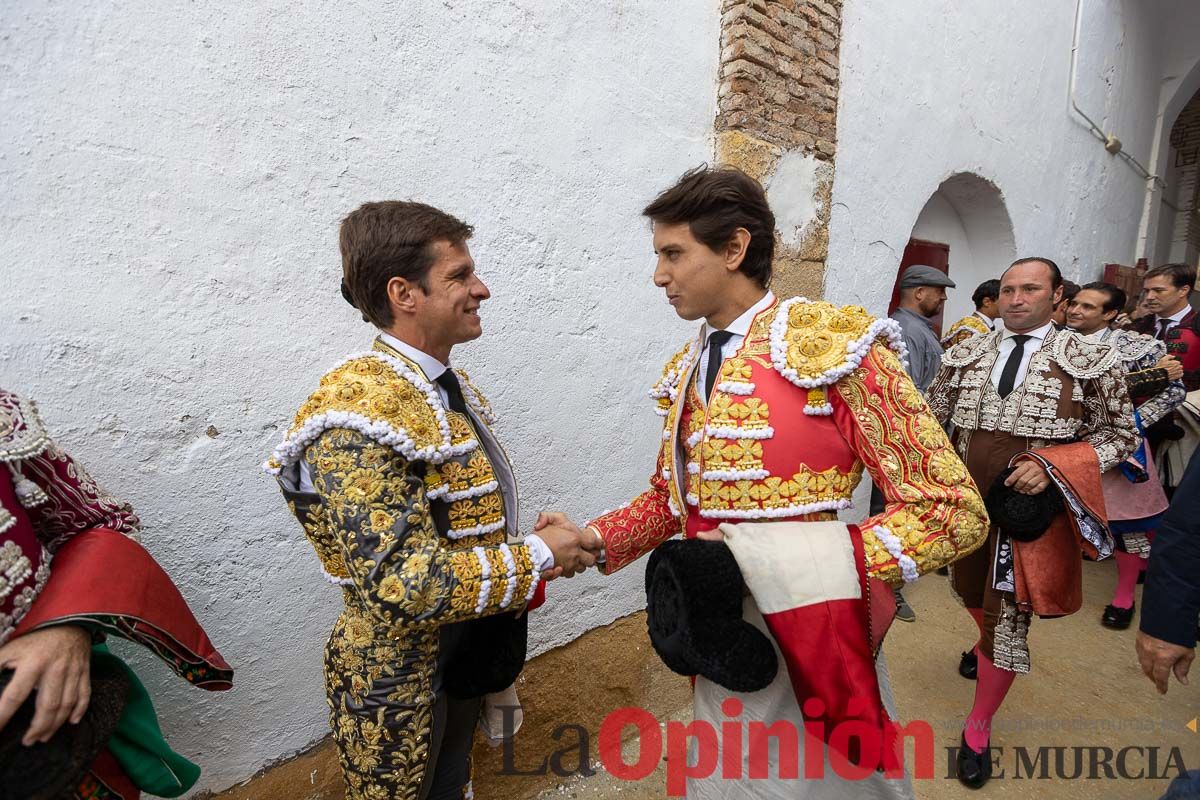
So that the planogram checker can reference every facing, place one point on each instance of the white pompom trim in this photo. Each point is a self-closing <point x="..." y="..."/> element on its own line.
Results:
<point x="908" y="567"/>
<point x="725" y="432"/>
<point x="442" y="492"/>
<point x="511" y="564"/>
<point x="477" y="530"/>
<point x="819" y="411"/>
<point x="667" y="387"/>
<point x="735" y="474"/>
<point x="776" y="513"/>
<point x="731" y="387"/>
<point x="291" y="449"/>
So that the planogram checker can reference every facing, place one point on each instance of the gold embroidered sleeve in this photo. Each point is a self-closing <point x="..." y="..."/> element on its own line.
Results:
<point x="933" y="513"/>
<point x="1108" y="422"/>
<point x="397" y="563"/>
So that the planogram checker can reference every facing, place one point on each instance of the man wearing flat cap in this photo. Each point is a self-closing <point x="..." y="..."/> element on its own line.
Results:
<point x="922" y="296"/>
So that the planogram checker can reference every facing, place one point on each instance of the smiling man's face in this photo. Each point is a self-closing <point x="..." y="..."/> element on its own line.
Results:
<point x="448" y="299"/>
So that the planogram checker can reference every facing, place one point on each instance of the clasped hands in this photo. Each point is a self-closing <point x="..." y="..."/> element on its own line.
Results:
<point x="574" y="548"/>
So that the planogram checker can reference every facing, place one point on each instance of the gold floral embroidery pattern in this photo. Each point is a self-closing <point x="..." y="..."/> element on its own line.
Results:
<point x="933" y="507"/>
<point x="405" y="581"/>
<point x="751" y="413"/>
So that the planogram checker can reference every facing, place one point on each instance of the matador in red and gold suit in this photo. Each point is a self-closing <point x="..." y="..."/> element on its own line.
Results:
<point x="813" y="395"/>
<point x="70" y="562"/>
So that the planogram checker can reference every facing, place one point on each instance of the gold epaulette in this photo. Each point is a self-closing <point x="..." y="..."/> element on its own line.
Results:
<point x="382" y="398"/>
<point x="815" y="344"/>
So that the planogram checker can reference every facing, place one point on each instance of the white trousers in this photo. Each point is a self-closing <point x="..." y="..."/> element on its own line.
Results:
<point x="778" y="703"/>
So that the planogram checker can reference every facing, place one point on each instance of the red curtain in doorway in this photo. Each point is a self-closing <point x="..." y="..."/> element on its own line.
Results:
<point x="931" y="254"/>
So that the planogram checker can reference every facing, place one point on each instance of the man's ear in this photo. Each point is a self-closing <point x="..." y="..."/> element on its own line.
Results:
<point x="401" y="297"/>
<point x="735" y="249"/>
<point x="1058" y="293"/>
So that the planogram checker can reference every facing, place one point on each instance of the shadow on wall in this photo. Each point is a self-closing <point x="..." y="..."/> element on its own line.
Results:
<point x="967" y="213"/>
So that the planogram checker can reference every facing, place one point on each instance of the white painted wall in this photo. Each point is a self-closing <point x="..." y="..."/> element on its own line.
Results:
<point x="939" y="87"/>
<point x="173" y="176"/>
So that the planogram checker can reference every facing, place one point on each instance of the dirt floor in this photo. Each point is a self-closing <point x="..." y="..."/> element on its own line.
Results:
<point x="1085" y="691"/>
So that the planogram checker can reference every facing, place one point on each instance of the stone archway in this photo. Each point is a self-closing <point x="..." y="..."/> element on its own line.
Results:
<point x="967" y="213"/>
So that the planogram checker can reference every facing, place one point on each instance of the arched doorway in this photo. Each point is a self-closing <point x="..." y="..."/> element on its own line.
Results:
<point x="964" y="224"/>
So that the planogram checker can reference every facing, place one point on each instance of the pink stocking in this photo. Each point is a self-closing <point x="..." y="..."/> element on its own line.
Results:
<point x="990" y="688"/>
<point x="1128" y="567"/>
<point x="977" y="615"/>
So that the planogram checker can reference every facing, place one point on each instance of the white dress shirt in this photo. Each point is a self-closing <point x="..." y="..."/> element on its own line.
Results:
<point x="432" y="368"/>
<point x="1036" y="337"/>
<point x="1174" y="318"/>
<point x="739" y="328"/>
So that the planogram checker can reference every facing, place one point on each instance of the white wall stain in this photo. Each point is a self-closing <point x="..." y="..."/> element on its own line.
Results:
<point x="174" y="174"/>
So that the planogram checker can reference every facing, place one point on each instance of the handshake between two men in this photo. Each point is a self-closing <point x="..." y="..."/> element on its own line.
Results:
<point x="574" y="548"/>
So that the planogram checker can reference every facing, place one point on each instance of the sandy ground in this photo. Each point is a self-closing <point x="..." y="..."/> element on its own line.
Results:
<point x="1085" y="691"/>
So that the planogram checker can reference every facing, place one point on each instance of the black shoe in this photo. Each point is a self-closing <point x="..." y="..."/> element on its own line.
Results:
<point x="974" y="769"/>
<point x="968" y="665"/>
<point x="1117" y="618"/>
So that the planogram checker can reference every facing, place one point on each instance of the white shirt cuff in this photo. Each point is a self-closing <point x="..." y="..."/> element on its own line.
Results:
<point x="539" y="552"/>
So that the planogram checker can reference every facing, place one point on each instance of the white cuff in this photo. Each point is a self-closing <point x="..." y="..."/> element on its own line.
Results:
<point x="539" y="552"/>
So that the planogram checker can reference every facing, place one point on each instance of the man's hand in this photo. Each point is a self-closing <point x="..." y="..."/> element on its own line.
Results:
<point x="1028" y="477"/>
<point x="1172" y="366"/>
<point x="574" y="549"/>
<point x="1159" y="659"/>
<point x="56" y="662"/>
<point x="714" y="535"/>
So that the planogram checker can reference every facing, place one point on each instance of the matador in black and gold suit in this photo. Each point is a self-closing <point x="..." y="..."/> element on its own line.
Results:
<point x="409" y="506"/>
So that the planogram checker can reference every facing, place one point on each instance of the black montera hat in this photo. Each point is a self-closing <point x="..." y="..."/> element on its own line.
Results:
<point x="491" y="657"/>
<point x="1024" y="517"/>
<point x="51" y="770"/>
<point x="694" y="593"/>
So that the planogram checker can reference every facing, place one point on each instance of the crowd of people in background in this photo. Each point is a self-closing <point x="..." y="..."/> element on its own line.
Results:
<point x="1043" y="366"/>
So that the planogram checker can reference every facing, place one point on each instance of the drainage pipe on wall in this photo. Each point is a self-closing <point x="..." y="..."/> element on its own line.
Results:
<point x="1111" y="143"/>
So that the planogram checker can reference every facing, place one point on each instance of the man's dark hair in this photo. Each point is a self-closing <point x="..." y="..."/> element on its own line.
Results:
<point x="1180" y="275"/>
<point x="716" y="201"/>
<point x="391" y="239"/>
<point x="1115" y="294"/>
<point x="1056" y="279"/>
<point x="989" y="289"/>
<point x="1070" y="289"/>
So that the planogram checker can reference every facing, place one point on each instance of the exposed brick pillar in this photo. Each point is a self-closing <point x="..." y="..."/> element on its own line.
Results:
<point x="777" y="120"/>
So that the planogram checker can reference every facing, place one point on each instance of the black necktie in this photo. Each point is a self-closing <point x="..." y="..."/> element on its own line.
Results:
<point x="1163" y="326"/>
<point x="449" y="381"/>
<point x="1009" y="376"/>
<point x="715" y="343"/>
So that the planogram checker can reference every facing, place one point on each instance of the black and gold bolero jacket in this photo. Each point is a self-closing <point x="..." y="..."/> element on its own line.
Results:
<point x="408" y="505"/>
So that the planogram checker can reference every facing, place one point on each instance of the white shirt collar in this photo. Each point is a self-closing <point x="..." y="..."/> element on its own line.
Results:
<point x="432" y="368"/>
<point x="991" y="323"/>
<point x="1038" y="333"/>
<point x="741" y="325"/>
<point x="1177" y="317"/>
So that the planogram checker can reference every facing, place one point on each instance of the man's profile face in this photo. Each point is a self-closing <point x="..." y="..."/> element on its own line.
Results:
<point x="693" y="275"/>
<point x="448" y="303"/>
<point x="989" y="307"/>
<point x="1027" y="298"/>
<point x="1163" y="297"/>
<point x="1086" y="314"/>
<point x="931" y="300"/>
